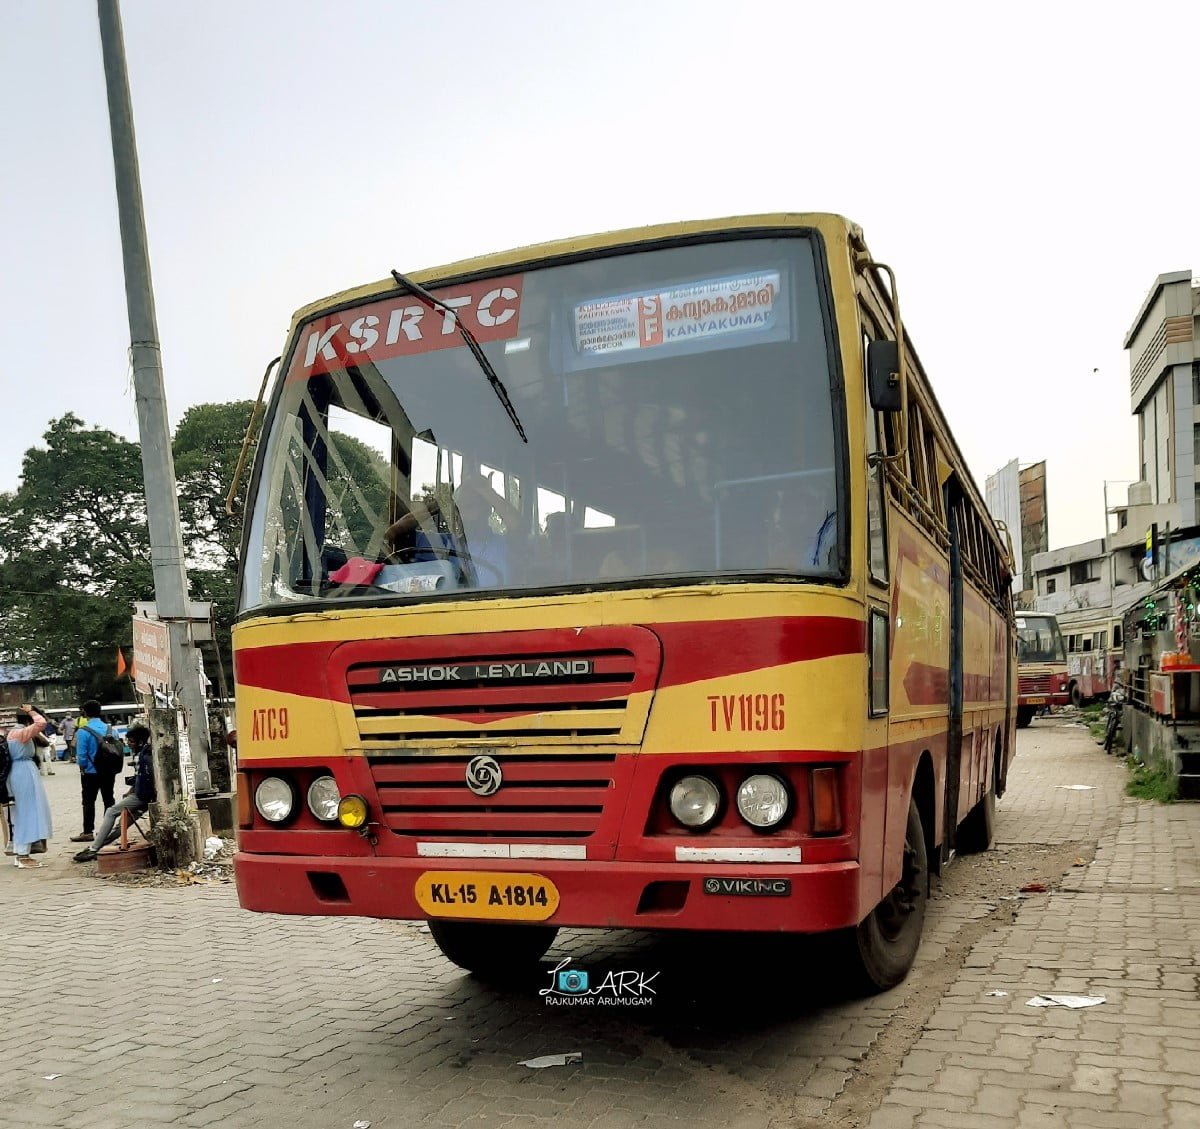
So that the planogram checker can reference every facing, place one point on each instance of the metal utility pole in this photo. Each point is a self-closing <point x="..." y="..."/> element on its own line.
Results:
<point x="158" y="464"/>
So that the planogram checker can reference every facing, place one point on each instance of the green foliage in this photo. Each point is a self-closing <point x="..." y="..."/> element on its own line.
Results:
<point x="1157" y="782"/>
<point x="75" y="548"/>
<point x="74" y="553"/>
<point x="207" y="443"/>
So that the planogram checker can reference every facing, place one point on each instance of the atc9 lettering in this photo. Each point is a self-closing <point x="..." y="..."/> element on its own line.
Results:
<point x="270" y="725"/>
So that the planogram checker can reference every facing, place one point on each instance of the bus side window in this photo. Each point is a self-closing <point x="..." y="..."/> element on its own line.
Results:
<point x="877" y="557"/>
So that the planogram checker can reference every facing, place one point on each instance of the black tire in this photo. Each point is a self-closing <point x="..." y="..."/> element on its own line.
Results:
<point x="493" y="952"/>
<point x="1077" y="698"/>
<point x="1024" y="716"/>
<point x="881" y="950"/>
<point x="977" y="832"/>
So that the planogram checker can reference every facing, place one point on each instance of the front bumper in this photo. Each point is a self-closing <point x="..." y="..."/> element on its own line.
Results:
<point x="633" y="895"/>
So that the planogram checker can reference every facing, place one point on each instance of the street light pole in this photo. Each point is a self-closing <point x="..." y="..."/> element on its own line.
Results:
<point x="158" y="464"/>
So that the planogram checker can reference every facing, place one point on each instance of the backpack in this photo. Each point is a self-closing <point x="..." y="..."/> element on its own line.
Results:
<point x="109" y="758"/>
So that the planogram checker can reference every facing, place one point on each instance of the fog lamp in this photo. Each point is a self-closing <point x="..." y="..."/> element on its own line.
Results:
<point x="352" y="812"/>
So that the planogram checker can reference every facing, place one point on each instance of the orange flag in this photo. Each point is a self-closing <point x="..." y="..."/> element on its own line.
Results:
<point x="121" y="667"/>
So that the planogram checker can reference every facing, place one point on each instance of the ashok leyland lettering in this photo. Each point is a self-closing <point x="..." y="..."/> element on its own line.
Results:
<point x="630" y="581"/>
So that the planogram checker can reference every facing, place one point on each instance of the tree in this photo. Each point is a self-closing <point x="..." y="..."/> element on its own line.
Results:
<point x="74" y="553"/>
<point x="207" y="443"/>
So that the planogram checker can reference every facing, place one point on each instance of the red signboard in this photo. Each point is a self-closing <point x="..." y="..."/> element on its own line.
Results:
<point x="403" y="325"/>
<point x="151" y="654"/>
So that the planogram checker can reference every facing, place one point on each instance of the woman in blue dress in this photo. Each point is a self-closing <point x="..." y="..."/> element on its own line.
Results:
<point x="31" y="815"/>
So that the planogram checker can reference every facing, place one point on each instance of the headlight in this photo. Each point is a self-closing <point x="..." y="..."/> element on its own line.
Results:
<point x="762" y="801"/>
<point x="352" y="812"/>
<point x="323" y="798"/>
<point x="695" y="801"/>
<point x="274" y="799"/>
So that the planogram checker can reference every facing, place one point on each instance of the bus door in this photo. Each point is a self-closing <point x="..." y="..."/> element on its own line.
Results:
<point x="954" y="728"/>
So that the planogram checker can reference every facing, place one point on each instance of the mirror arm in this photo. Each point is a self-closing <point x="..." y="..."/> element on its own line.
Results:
<point x="246" y="441"/>
<point x="863" y="261"/>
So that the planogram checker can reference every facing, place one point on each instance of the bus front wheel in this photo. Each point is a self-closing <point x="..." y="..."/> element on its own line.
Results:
<point x="492" y="951"/>
<point x="882" y="948"/>
<point x="1024" y="716"/>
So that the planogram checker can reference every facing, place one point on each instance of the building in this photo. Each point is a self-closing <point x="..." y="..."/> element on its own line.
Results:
<point x="1016" y="497"/>
<point x="20" y="683"/>
<point x="1164" y="394"/>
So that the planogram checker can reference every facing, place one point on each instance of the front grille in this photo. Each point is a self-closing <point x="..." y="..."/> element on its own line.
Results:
<point x="590" y="707"/>
<point x="557" y="797"/>
<point x="1035" y="683"/>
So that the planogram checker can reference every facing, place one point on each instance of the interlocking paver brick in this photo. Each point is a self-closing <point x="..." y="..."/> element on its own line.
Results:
<point x="320" y="1022"/>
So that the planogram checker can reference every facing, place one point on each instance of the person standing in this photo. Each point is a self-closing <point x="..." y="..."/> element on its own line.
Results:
<point x="140" y="797"/>
<point x="68" y="732"/>
<point x="31" y="814"/>
<point x="92" y="781"/>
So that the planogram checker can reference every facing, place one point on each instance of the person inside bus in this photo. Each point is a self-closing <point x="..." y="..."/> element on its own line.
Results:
<point x="470" y="530"/>
<point x="802" y="527"/>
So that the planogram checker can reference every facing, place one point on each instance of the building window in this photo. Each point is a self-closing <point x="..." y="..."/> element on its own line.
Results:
<point x="1050" y="586"/>
<point x="1083" y="572"/>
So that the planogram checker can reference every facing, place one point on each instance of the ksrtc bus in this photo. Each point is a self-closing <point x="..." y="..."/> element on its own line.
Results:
<point x="1095" y="653"/>
<point x="1042" y="658"/>
<point x="596" y="584"/>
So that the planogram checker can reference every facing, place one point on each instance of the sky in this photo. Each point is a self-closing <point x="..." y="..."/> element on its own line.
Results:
<point x="1028" y="170"/>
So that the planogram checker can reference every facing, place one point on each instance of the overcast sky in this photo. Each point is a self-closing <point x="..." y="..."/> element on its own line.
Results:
<point x="1027" y="175"/>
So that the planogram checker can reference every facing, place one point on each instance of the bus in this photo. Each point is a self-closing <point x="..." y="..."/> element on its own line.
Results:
<point x="1095" y="653"/>
<point x="1042" y="666"/>
<point x="628" y="581"/>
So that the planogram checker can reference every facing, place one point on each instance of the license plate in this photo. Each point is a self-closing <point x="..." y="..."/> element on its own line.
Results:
<point x="1035" y="701"/>
<point x="749" y="887"/>
<point x="486" y="894"/>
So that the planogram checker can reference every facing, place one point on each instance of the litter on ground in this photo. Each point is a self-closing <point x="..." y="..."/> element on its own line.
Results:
<point x="1073" y="1002"/>
<point x="552" y="1060"/>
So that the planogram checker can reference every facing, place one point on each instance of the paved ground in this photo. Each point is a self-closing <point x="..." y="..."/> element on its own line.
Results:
<point x="170" y="1006"/>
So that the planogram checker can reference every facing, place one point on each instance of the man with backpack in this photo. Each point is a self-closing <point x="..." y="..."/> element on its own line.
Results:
<point x="100" y="757"/>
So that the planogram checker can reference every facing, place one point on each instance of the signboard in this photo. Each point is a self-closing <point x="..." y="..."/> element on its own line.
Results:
<point x="705" y="309"/>
<point x="151" y="655"/>
<point x="187" y="768"/>
<point x="402" y="325"/>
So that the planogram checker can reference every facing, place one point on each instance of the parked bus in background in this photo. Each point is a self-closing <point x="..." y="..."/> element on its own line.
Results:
<point x="634" y="580"/>
<point x="1094" y="655"/>
<point x="1042" y="672"/>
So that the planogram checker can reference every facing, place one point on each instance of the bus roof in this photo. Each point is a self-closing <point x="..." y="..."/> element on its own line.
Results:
<point x="537" y="252"/>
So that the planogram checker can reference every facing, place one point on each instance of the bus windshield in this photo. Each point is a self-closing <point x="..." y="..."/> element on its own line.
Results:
<point x="679" y="409"/>
<point x="1039" y="640"/>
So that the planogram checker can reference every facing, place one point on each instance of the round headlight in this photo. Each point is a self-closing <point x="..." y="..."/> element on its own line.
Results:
<point x="762" y="801"/>
<point x="323" y="798"/>
<point x="352" y="812"/>
<point x="274" y="799"/>
<point x="695" y="801"/>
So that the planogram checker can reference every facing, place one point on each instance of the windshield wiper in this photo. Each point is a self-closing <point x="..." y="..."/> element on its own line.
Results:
<point x="469" y="339"/>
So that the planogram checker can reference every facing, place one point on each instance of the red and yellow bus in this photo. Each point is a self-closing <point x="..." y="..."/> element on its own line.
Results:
<point x="628" y="581"/>
<point x="1043" y="680"/>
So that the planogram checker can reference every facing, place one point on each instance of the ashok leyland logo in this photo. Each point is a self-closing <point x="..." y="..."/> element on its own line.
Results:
<point x="573" y="987"/>
<point x="484" y="776"/>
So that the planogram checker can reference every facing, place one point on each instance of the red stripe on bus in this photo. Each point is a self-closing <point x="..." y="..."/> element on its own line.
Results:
<point x="693" y="652"/>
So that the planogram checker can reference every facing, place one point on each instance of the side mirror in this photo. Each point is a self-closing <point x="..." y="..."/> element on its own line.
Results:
<point x="883" y="375"/>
